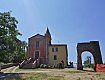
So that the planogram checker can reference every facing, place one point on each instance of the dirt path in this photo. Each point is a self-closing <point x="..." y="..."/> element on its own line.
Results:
<point x="14" y="69"/>
<point x="68" y="74"/>
<point x="8" y="71"/>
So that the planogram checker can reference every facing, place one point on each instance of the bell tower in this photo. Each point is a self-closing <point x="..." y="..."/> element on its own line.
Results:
<point x="48" y="43"/>
<point x="48" y="37"/>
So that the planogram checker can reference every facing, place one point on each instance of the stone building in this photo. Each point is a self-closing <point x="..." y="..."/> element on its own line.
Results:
<point x="39" y="51"/>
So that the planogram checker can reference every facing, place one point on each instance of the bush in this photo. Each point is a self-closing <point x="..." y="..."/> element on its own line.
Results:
<point x="43" y="66"/>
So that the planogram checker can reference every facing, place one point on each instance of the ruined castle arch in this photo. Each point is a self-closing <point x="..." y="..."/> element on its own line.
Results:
<point x="92" y="47"/>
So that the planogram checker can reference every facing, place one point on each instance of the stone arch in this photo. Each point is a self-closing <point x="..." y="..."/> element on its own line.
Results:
<point x="92" y="47"/>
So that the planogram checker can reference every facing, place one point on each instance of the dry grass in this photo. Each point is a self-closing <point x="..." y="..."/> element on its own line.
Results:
<point x="57" y="74"/>
<point x="33" y="76"/>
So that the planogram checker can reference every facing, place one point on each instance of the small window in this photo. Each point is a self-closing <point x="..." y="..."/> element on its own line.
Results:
<point x="37" y="44"/>
<point x="54" y="49"/>
<point x="55" y="57"/>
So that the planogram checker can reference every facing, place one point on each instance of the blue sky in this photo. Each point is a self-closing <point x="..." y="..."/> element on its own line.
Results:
<point x="69" y="21"/>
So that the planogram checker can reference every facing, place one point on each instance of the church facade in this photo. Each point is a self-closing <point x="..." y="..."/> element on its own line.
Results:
<point x="38" y="47"/>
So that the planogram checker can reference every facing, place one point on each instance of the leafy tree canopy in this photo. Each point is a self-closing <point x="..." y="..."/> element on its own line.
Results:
<point x="11" y="48"/>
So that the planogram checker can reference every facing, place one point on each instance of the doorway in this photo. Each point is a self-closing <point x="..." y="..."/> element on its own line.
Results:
<point x="36" y="55"/>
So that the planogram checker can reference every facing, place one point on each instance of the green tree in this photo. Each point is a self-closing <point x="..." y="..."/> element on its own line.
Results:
<point x="87" y="62"/>
<point x="10" y="45"/>
<point x="20" y="51"/>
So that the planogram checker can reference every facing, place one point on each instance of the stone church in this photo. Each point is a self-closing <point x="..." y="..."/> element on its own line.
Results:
<point x="40" y="50"/>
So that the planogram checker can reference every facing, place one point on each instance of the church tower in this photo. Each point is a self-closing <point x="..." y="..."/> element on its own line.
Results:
<point x="48" y="43"/>
<point x="48" y="37"/>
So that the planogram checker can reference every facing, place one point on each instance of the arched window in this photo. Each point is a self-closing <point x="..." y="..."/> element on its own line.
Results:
<point x="37" y="44"/>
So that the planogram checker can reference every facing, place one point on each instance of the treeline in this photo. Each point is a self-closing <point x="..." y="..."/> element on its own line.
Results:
<point x="12" y="50"/>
